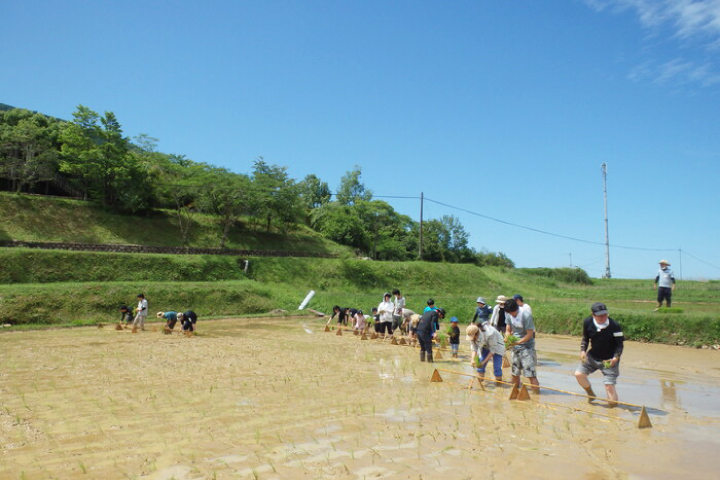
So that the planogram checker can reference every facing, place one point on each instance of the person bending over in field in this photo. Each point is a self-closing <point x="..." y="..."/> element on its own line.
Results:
<point x="486" y="343"/>
<point x="606" y="339"/>
<point x="522" y="325"/>
<point x="407" y="314"/>
<point x="341" y="314"/>
<point x="126" y="315"/>
<point x="188" y="320"/>
<point x="359" y="323"/>
<point x="426" y="332"/>
<point x="171" y="318"/>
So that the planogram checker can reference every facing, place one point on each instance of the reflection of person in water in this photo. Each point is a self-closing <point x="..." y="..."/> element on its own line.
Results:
<point x="669" y="394"/>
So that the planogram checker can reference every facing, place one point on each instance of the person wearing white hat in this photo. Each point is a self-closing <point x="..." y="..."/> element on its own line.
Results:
<point x="664" y="284"/>
<point x="498" y="316"/>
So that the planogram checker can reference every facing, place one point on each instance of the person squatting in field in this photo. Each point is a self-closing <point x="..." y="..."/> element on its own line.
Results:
<point x="359" y="323"/>
<point x="426" y="331"/>
<point x="142" y="312"/>
<point x="188" y="319"/>
<point x="606" y="340"/>
<point x="385" y="310"/>
<point x="522" y="325"/>
<point x="170" y="317"/>
<point x="486" y="343"/>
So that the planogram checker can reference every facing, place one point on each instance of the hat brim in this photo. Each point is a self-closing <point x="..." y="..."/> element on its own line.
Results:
<point x="601" y="312"/>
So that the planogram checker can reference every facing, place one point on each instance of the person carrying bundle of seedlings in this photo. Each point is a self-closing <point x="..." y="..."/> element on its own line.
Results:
<point x="606" y="341"/>
<point x="522" y="325"/>
<point x="171" y="318"/>
<point x="188" y="320"/>
<point x="486" y="342"/>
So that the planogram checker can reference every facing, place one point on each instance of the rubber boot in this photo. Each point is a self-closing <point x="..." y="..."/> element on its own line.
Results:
<point x="590" y="393"/>
<point x="429" y="357"/>
<point x="422" y="356"/>
<point x="498" y="381"/>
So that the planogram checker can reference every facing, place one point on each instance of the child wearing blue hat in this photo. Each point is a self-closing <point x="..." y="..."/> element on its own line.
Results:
<point x="454" y="337"/>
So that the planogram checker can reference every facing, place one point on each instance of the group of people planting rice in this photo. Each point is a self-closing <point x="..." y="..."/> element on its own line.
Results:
<point x="493" y="331"/>
<point x="187" y="319"/>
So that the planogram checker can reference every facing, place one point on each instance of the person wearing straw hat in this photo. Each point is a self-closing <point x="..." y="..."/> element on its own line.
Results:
<point x="605" y="338"/>
<point x="486" y="343"/>
<point x="482" y="312"/>
<point x="664" y="284"/>
<point x="170" y="318"/>
<point x="497" y="319"/>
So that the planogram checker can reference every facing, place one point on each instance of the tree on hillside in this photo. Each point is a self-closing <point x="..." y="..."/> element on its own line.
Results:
<point x="314" y="191"/>
<point x="275" y="195"/>
<point x="352" y="190"/>
<point x="96" y="155"/>
<point x="28" y="148"/>
<point x="341" y="224"/>
<point x="226" y="195"/>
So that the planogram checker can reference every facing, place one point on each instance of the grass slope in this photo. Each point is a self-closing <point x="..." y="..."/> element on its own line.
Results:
<point x="44" y="219"/>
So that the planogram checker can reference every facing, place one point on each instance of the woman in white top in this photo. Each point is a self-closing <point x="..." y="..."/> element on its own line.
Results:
<point x="385" y="311"/>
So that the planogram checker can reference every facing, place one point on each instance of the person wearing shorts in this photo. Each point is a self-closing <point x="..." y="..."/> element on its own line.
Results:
<point x="605" y="338"/>
<point x="522" y="325"/>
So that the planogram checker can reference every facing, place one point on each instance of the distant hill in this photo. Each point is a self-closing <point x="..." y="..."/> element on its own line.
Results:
<point x="5" y="107"/>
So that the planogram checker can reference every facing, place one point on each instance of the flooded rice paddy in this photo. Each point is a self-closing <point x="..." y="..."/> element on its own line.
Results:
<point x="279" y="398"/>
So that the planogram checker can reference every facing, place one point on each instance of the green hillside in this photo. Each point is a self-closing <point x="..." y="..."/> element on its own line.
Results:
<point x="45" y="219"/>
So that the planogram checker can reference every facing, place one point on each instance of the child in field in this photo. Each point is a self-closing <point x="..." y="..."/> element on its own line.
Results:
<point x="126" y="315"/>
<point x="454" y="337"/>
<point x="359" y="322"/>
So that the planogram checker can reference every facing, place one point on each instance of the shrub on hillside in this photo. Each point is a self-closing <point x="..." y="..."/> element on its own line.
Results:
<point x="567" y="275"/>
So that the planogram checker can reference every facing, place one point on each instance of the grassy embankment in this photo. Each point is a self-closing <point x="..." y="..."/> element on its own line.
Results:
<point x="71" y="288"/>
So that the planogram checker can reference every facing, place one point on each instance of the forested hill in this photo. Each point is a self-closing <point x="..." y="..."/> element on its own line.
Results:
<point x="5" y="107"/>
<point x="89" y="158"/>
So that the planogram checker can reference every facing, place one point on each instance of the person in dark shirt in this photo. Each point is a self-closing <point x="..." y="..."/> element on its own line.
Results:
<point x="126" y="315"/>
<point x="426" y="331"/>
<point x="342" y="314"/>
<point x="188" y="320"/>
<point x="605" y="338"/>
<point x="482" y="312"/>
<point x="454" y="337"/>
<point x="171" y="318"/>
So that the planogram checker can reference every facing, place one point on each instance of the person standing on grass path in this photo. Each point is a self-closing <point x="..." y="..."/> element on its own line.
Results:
<point x="142" y="311"/>
<point x="665" y="284"/>
<point x="482" y="312"/>
<point x="385" y="311"/>
<point x="524" y="359"/>
<point x="606" y="340"/>
<point x="399" y="304"/>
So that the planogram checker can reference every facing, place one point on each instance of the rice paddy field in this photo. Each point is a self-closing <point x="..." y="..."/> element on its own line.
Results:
<point x="278" y="398"/>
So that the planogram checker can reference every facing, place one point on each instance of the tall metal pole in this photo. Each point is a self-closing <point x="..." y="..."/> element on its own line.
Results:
<point x="421" y="225"/>
<point x="607" y="237"/>
<point x="680" y="252"/>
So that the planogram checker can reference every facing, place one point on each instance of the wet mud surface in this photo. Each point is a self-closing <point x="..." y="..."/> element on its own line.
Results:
<point x="278" y="398"/>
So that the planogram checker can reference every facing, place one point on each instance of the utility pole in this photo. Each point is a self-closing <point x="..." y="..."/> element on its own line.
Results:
<point x="421" y="225"/>
<point x="607" y="237"/>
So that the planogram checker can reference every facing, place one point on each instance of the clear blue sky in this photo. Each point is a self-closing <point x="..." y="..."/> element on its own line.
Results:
<point x="506" y="109"/>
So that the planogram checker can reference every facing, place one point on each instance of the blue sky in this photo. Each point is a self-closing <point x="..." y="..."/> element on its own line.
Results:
<point x="504" y="109"/>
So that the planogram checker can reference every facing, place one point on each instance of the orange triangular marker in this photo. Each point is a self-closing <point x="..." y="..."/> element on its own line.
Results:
<point x="438" y="355"/>
<point x="644" y="420"/>
<point x="514" y="392"/>
<point x="402" y="341"/>
<point x="134" y="330"/>
<point x="364" y="337"/>
<point x="373" y="336"/>
<point x="118" y="327"/>
<point x="327" y="329"/>
<point x="436" y="376"/>
<point x="355" y="332"/>
<point x="393" y="341"/>
<point x="339" y="332"/>
<point x="523" y="394"/>
<point x="506" y="362"/>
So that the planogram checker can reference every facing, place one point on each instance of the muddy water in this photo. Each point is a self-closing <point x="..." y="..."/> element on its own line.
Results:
<point x="277" y="398"/>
